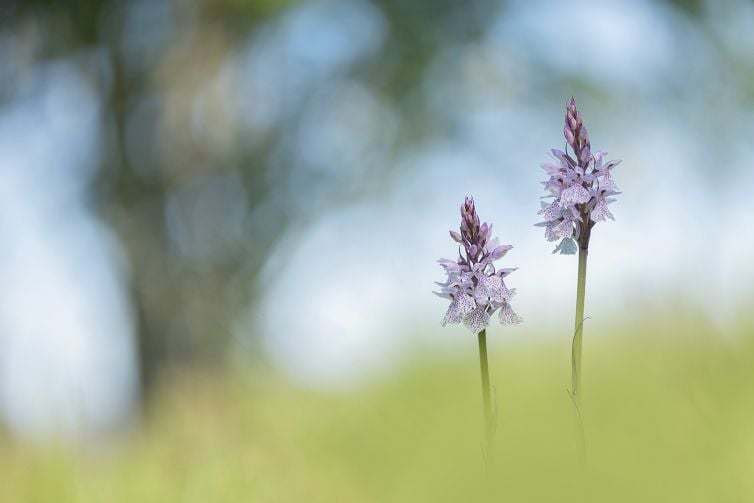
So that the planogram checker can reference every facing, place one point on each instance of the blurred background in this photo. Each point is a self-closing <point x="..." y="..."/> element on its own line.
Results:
<point x="205" y="203"/>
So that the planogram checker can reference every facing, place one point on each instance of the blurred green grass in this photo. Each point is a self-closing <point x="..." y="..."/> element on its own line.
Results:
<point x="668" y="412"/>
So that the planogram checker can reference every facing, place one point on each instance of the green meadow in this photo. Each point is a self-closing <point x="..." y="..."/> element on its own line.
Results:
<point x="668" y="413"/>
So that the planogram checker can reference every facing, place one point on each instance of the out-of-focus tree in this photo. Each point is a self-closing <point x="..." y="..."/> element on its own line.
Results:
<point x="198" y="196"/>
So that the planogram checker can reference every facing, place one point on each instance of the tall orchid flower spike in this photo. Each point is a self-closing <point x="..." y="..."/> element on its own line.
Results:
<point x="581" y="187"/>
<point x="476" y="290"/>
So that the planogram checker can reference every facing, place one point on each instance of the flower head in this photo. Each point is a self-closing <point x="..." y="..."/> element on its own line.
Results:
<point x="581" y="185"/>
<point x="476" y="289"/>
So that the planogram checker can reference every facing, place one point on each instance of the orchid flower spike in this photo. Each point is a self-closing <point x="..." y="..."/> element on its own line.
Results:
<point x="581" y="185"/>
<point x="475" y="288"/>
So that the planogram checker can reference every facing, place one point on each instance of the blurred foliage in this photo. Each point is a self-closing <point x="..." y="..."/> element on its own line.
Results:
<point x="153" y="153"/>
<point x="166" y="159"/>
<point x="667" y="407"/>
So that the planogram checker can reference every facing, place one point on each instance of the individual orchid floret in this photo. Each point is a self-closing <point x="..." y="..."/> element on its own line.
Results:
<point x="475" y="288"/>
<point x="581" y="187"/>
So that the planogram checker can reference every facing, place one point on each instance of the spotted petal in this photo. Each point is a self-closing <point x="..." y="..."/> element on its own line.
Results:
<point x="551" y="211"/>
<point x="489" y="288"/>
<point x="508" y="317"/>
<point x="601" y="212"/>
<point x="575" y="194"/>
<point x="477" y="320"/>
<point x="564" y="229"/>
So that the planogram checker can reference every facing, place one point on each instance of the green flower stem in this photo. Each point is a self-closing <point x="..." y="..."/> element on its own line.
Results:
<point x="486" y="395"/>
<point x="579" y="327"/>
<point x="576" y="391"/>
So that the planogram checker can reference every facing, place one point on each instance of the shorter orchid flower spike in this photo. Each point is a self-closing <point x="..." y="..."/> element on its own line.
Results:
<point x="581" y="185"/>
<point x="475" y="289"/>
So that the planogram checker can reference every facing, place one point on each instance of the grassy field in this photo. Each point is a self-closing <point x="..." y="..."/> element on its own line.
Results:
<point x="668" y="412"/>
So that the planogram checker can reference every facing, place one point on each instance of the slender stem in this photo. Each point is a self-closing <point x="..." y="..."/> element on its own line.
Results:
<point x="576" y="347"/>
<point x="488" y="418"/>
<point x="579" y="327"/>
